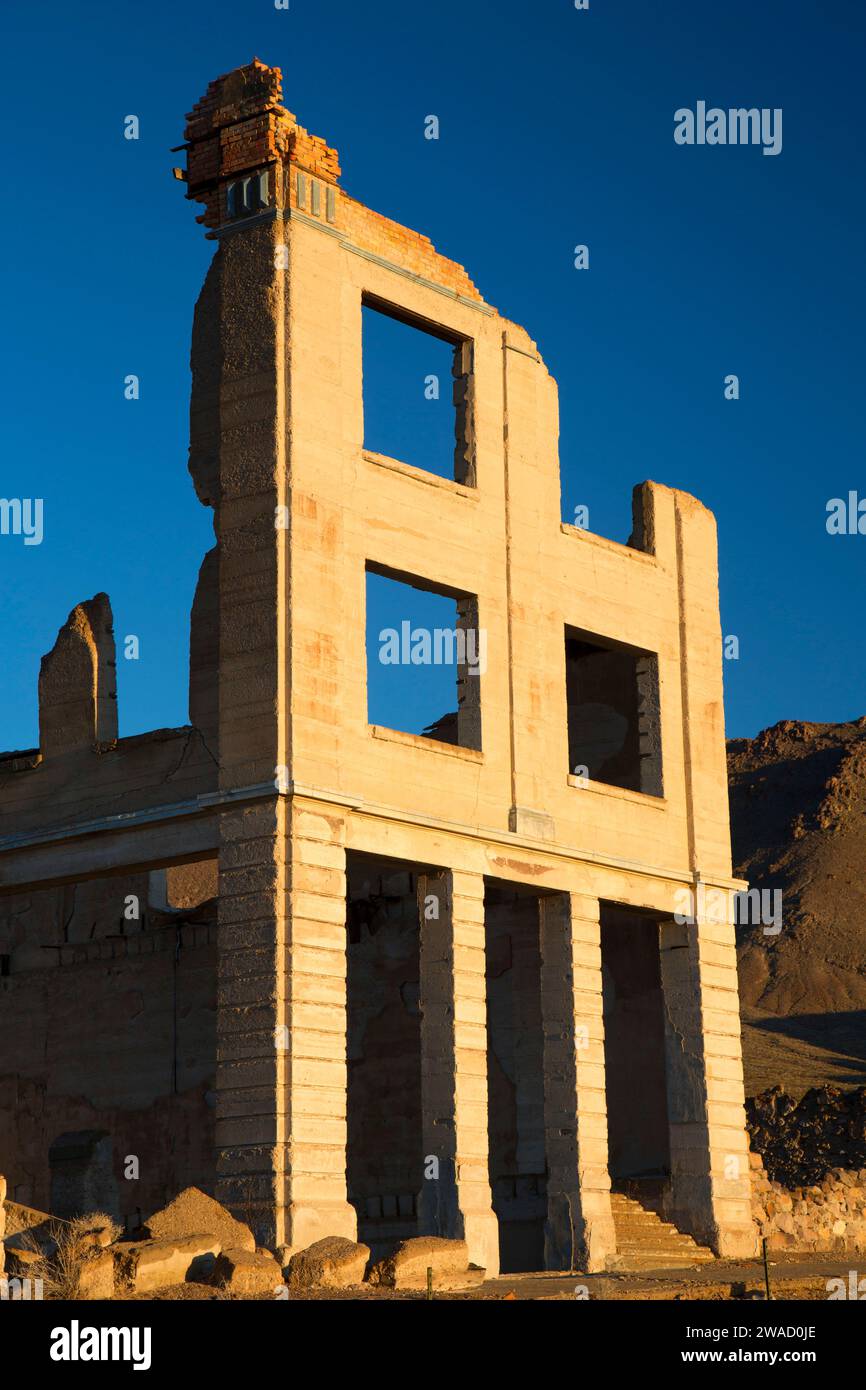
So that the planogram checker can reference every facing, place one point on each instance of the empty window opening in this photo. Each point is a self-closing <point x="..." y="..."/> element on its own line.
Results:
<point x="425" y="657"/>
<point x="613" y="714"/>
<point x="417" y="393"/>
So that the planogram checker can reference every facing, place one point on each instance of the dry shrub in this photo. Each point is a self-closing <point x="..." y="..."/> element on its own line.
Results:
<point x="75" y="1242"/>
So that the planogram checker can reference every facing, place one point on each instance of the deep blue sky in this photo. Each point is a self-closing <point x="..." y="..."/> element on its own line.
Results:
<point x="556" y="129"/>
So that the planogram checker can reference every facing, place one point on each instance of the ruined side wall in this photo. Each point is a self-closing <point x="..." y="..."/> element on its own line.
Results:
<point x="107" y="1024"/>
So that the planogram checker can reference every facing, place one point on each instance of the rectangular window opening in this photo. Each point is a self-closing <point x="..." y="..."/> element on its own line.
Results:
<point x="425" y="657"/>
<point x="614" y="728"/>
<point x="417" y="393"/>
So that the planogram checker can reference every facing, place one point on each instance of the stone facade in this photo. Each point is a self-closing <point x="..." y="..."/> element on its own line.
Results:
<point x="582" y="796"/>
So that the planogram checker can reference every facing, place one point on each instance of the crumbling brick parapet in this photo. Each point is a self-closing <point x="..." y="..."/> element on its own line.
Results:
<point x="240" y="126"/>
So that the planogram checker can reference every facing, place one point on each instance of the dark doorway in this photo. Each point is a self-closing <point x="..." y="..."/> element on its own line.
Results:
<point x="515" y="1074"/>
<point x="634" y="1045"/>
<point x="384" y="1148"/>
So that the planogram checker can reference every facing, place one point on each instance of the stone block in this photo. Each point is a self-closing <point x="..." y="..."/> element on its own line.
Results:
<point x="247" y="1272"/>
<point x="141" y="1266"/>
<point x="96" y="1275"/>
<point x="329" y="1263"/>
<point x="407" y="1267"/>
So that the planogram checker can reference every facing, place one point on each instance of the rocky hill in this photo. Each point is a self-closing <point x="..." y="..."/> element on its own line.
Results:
<point x="798" y="812"/>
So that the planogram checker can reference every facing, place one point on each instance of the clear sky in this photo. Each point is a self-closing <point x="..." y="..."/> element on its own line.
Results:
<point x="556" y="129"/>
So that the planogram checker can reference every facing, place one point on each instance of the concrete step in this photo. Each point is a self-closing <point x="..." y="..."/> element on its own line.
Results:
<point x="650" y="1243"/>
<point x="645" y="1241"/>
<point x="676" y="1241"/>
<point x="696" y="1256"/>
<point x="636" y="1264"/>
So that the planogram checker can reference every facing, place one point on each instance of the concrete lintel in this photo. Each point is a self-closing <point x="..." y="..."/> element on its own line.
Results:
<point x="126" y="843"/>
<point x="129" y="851"/>
<point x="507" y="839"/>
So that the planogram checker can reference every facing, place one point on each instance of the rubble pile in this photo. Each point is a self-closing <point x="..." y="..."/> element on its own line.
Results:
<point x="802" y="1141"/>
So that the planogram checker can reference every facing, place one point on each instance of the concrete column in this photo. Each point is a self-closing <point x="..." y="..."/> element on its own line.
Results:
<point x="316" y="1067"/>
<point x="579" y="1232"/>
<point x="281" y="1035"/>
<point x="457" y="1202"/>
<point x="710" y="1185"/>
<point x="250" y="1070"/>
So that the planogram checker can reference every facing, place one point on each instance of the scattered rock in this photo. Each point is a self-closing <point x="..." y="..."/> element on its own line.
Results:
<point x="407" y="1267"/>
<point x="193" y="1212"/>
<point x="247" y="1272"/>
<point x="96" y="1276"/>
<point x="152" y="1264"/>
<point x="332" y="1263"/>
<point x="803" y="1143"/>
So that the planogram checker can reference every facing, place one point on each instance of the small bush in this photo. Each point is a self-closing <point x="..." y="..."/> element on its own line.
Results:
<point x="75" y="1242"/>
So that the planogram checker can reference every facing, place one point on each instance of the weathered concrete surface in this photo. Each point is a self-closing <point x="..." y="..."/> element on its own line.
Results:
<point x="153" y="1264"/>
<point x="247" y="1272"/>
<point x="140" y="992"/>
<point x="330" y="1263"/>
<point x="407" y="1267"/>
<point x="97" y="1275"/>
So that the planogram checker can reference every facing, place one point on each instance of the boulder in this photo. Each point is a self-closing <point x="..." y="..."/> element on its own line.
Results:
<point x="96" y="1275"/>
<point x="332" y="1263"/>
<point x="144" y="1265"/>
<point x="407" y="1267"/>
<point x="247" y="1272"/>
<point x="192" y="1212"/>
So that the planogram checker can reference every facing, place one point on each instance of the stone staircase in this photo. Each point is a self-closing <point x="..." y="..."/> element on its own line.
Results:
<point x="644" y="1241"/>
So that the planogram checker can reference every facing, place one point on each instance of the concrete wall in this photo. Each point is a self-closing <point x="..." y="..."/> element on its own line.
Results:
<point x="109" y="1025"/>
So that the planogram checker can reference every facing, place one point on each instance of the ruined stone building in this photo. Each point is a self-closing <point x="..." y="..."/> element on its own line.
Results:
<point x="353" y="980"/>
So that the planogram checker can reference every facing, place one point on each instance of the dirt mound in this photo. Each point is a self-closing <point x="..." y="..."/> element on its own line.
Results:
<point x="802" y="1141"/>
<point x="193" y="1212"/>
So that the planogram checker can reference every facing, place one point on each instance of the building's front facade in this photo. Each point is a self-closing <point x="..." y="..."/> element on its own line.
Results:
<point x="451" y="993"/>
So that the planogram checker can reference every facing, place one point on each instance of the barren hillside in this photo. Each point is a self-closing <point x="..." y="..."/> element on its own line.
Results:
<point x="798" y="811"/>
